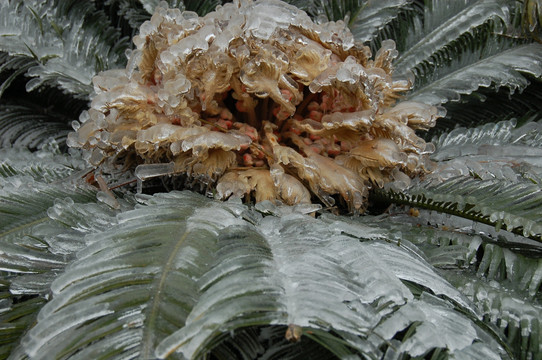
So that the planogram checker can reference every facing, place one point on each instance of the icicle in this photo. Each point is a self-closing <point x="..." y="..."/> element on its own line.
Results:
<point x="147" y="171"/>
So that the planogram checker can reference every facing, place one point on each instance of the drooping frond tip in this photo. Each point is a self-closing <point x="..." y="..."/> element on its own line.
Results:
<point x="257" y="99"/>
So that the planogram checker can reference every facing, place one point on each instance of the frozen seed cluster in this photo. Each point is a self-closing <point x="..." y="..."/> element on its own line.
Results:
<point x="256" y="100"/>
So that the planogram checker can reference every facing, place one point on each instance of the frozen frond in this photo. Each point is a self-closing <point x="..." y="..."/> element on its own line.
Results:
<point x="364" y="18"/>
<point x="46" y="165"/>
<point x="182" y="276"/>
<point x="452" y="245"/>
<point x="515" y="317"/>
<point x="499" y="263"/>
<point x="398" y="27"/>
<point x="36" y="243"/>
<point x="460" y="138"/>
<point x="443" y="23"/>
<point x="44" y="220"/>
<point x="515" y="145"/>
<point x="26" y="126"/>
<point x="515" y="206"/>
<point x="501" y="273"/>
<point x="201" y="7"/>
<point x="24" y="205"/>
<point x="136" y="12"/>
<point x="69" y="41"/>
<point x="13" y="65"/>
<point x="15" y="318"/>
<point x="32" y="186"/>
<point x="425" y="318"/>
<point x="475" y="69"/>
<point x="491" y="174"/>
<point x="373" y="17"/>
<point x="42" y="226"/>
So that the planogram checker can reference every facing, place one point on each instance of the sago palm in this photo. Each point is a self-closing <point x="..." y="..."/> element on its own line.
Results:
<point x="261" y="180"/>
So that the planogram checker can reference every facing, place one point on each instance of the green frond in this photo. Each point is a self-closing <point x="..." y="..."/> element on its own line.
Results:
<point x="46" y="165"/>
<point x="43" y="221"/>
<point x="15" y="319"/>
<point x="27" y="126"/>
<point x="201" y="7"/>
<point x="443" y="23"/>
<point x="515" y="207"/>
<point x="68" y="40"/>
<point x="489" y="174"/>
<point x="397" y="29"/>
<point x="373" y="16"/>
<point x="12" y="67"/>
<point x="486" y="105"/>
<point x="499" y="272"/>
<point x="513" y="315"/>
<point x="476" y="69"/>
<point x="24" y="205"/>
<point x="364" y="18"/>
<point x="184" y="274"/>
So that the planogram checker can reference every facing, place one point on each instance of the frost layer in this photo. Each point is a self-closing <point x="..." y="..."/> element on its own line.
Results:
<point x="261" y="102"/>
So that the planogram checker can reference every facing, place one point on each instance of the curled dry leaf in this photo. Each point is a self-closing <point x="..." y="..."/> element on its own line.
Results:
<point x="258" y="100"/>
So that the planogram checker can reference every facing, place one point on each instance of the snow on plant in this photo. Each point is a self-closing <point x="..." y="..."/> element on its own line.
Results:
<point x="256" y="100"/>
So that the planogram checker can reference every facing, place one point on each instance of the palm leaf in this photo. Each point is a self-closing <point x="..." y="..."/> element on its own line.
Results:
<point x="443" y="23"/>
<point x="474" y="259"/>
<point x="491" y="176"/>
<point x="515" y="207"/>
<point x="512" y="314"/>
<point x="25" y="226"/>
<point x="463" y="141"/>
<point x="68" y="41"/>
<point x="373" y="16"/>
<point x="44" y="221"/>
<point x="46" y="165"/>
<point x="25" y="126"/>
<point x="364" y="18"/>
<point x="28" y="262"/>
<point x="15" y="320"/>
<point x="475" y="70"/>
<point x="135" y="12"/>
<point x="489" y="106"/>
<point x="194" y="272"/>
<point x="17" y="65"/>
<point x="34" y="189"/>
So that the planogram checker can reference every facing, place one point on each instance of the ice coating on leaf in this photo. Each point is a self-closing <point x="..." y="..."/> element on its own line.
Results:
<point x="252" y="88"/>
<point x="76" y="41"/>
<point x="455" y="331"/>
<point x="507" y="310"/>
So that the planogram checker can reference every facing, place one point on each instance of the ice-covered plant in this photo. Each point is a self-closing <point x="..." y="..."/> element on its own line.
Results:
<point x="113" y="273"/>
<point x="256" y="98"/>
